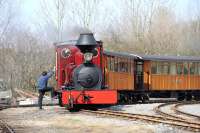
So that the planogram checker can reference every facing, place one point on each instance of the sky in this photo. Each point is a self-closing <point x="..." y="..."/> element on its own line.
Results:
<point x="31" y="13"/>
<point x="29" y="7"/>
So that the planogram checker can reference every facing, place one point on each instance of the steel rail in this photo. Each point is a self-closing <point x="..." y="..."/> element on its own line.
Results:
<point x="178" y="111"/>
<point x="175" y="109"/>
<point x="159" y="111"/>
<point x="4" y="126"/>
<point x="191" y="126"/>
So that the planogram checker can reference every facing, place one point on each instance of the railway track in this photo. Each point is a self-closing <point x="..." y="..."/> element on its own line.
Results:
<point x="4" y="127"/>
<point x="175" y="109"/>
<point x="191" y="126"/>
<point x="159" y="110"/>
<point x="178" y="111"/>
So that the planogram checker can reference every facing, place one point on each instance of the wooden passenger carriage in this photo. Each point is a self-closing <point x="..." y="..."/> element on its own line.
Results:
<point x="136" y="77"/>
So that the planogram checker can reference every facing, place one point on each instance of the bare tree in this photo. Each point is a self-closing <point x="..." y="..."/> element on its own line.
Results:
<point x="54" y="16"/>
<point x="85" y="13"/>
<point x="6" y="16"/>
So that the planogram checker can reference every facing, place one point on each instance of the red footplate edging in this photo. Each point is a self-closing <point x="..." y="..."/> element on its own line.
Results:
<point x="90" y="97"/>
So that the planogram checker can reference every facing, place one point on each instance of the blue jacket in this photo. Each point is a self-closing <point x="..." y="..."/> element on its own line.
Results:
<point x="43" y="80"/>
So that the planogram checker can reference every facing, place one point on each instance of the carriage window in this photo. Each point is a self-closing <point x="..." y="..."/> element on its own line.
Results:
<point x="159" y="68"/>
<point x="123" y="65"/>
<point x="198" y="68"/>
<point x="153" y="67"/>
<point x="108" y="63"/>
<point x="172" y="68"/>
<point x="193" y="68"/>
<point x="179" y="68"/>
<point x="111" y="64"/>
<point x="120" y="65"/>
<point x="126" y="64"/>
<point x="129" y="66"/>
<point x="185" y="68"/>
<point x="115" y="64"/>
<point x="165" y="68"/>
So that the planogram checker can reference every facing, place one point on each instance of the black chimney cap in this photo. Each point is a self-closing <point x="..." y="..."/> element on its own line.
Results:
<point x="86" y="39"/>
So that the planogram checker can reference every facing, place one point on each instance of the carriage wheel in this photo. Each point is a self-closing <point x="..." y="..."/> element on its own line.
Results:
<point x="181" y="96"/>
<point x="188" y="97"/>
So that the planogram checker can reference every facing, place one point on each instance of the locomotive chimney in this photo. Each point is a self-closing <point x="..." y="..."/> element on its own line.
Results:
<point x="86" y="42"/>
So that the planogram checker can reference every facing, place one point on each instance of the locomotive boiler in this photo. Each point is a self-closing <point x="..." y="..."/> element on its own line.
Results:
<point x="88" y="75"/>
<point x="80" y="73"/>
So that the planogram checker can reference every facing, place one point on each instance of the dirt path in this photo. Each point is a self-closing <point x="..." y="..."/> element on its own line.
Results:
<point x="56" y="120"/>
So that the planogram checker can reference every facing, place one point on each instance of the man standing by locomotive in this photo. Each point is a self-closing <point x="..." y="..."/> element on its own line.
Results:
<point x="43" y="86"/>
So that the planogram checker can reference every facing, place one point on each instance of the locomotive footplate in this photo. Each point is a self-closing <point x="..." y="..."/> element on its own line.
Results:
<point x="89" y="97"/>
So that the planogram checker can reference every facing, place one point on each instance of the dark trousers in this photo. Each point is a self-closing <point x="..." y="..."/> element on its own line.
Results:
<point x="41" y="94"/>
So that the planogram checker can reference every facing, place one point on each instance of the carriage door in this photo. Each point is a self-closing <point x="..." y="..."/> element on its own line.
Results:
<point x="139" y="75"/>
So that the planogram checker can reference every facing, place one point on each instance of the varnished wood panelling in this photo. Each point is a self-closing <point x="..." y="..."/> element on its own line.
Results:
<point x="194" y="82"/>
<point x="182" y="83"/>
<point x="174" y="82"/>
<point x="169" y="82"/>
<point x="120" y="81"/>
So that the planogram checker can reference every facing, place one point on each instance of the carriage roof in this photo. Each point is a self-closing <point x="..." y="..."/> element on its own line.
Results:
<point x="152" y="57"/>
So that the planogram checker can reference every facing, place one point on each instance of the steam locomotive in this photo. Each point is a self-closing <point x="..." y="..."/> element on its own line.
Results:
<point x="80" y="73"/>
<point x="86" y="74"/>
